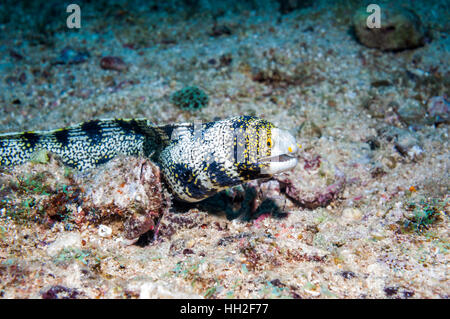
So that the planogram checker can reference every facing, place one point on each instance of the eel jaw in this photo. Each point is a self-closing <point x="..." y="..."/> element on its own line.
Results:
<point x="283" y="153"/>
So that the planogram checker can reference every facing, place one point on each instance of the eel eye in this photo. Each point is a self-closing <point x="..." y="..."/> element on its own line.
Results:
<point x="269" y="143"/>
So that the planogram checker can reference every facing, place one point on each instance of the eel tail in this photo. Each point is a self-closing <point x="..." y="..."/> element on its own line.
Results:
<point x="86" y="145"/>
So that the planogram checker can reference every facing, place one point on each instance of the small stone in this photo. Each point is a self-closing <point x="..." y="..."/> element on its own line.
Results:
<point x="347" y="274"/>
<point x="104" y="231"/>
<point x="68" y="240"/>
<point x="439" y="109"/>
<point x="406" y="143"/>
<point x="218" y="30"/>
<point x="287" y="6"/>
<point x="22" y="78"/>
<point x="390" y="291"/>
<point x="380" y="83"/>
<point x="113" y="63"/>
<point x="379" y="107"/>
<point x="188" y="251"/>
<point x="226" y="59"/>
<point x="415" y="152"/>
<point x="312" y="292"/>
<point x="408" y="293"/>
<point x="60" y="292"/>
<point x="16" y="55"/>
<point x="152" y="290"/>
<point x="412" y="112"/>
<point x="351" y="214"/>
<point x="71" y="56"/>
<point x="373" y="143"/>
<point x="400" y="29"/>
<point x="310" y="129"/>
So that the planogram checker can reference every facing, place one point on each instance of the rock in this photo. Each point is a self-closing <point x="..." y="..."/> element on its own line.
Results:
<point x="287" y="6"/>
<point x="309" y="129"/>
<point x="60" y="292"/>
<point x="382" y="106"/>
<point x="400" y="29"/>
<point x="113" y="63"/>
<point x="128" y="187"/>
<point x="415" y="152"/>
<point x="152" y="290"/>
<point x="439" y="109"/>
<point x="218" y="30"/>
<point x="351" y="214"/>
<point x="16" y="55"/>
<point x="412" y="112"/>
<point x="71" y="56"/>
<point x="104" y="231"/>
<point x="405" y="142"/>
<point x="69" y="240"/>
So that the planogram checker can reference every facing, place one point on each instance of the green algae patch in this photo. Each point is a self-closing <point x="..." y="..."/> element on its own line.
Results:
<point x="190" y="98"/>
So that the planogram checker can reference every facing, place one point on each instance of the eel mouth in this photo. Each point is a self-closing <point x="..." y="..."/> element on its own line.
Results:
<point x="279" y="163"/>
<point x="283" y="153"/>
<point x="279" y="158"/>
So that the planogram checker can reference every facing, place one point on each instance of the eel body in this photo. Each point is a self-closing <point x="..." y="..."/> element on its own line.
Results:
<point x="197" y="159"/>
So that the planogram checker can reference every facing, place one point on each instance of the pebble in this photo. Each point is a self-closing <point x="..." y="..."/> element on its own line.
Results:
<point x="71" y="56"/>
<point x="104" y="231"/>
<point x="113" y="63"/>
<point x="312" y="292"/>
<point x="287" y="6"/>
<point x="379" y="106"/>
<point x="400" y="29"/>
<point x="218" y="30"/>
<point x="152" y="290"/>
<point x="408" y="144"/>
<point x="405" y="142"/>
<point x="352" y="214"/>
<point x="16" y="55"/>
<point x="415" y="152"/>
<point x="439" y="109"/>
<point x="60" y="292"/>
<point x="68" y="240"/>
<point x="309" y="129"/>
<point x="412" y="112"/>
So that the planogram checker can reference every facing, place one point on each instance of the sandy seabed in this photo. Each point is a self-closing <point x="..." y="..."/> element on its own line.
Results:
<point x="350" y="225"/>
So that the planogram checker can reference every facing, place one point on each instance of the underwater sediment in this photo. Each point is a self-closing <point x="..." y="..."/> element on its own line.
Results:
<point x="364" y="214"/>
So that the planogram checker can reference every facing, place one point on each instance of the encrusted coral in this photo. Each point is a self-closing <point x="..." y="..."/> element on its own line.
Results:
<point x="127" y="189"/>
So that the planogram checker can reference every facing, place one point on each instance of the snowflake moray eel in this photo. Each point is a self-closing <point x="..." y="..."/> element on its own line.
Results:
<point x="196" y="159"/>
